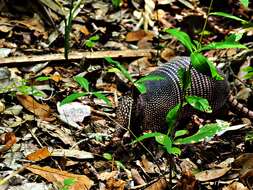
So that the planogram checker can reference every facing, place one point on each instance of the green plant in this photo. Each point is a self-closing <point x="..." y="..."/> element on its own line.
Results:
<point x="21" y="87"/>
<point x="74" y="6"/>
<point x="249" y="71"/>
<point x="67" y="183"/>
<point x="84" y="83"/>
<point x="139" y="84"/>
<point x="110" y="158"/>
<point x="91" y="42"/>
<point x="203" y="65"/>
<point x="116" y="3"/>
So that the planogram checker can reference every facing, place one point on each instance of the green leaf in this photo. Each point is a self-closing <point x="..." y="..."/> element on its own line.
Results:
<point x="245" y="3"/>
<point x="150" y="78"/>
<point x="249" y="136"/>
<point x="199" y="103"/>
<point x="69" y="181"/>
<point x="37" y="93"/>
<point x="102" y="97"/>
<point x="248" y="75"/>
<point x="172" y="115"/>
<point x="234" y="37"/>
<point x="203" y="65"/>
<point x="223" y="45"/>
<point x="165" y="141"/>
<point x="107" y="156"/>
<point x="206" y="132"/>
<point x="214" y="71"/>
<point x="146" y="136"/>
<point x="175" y="150"/>
<point x="24" y="89"/>
<point x="92" y="41"/>
<point x="140" y="83"/>
<point x="248" y="69"/>
<point x="184" y="78"/>
<point x="229" y="16"/>
<point x="181" y="133"/>
<point x="83" y="82"/>
<point x="120" y="67"/>
<point x="113" y="70"/>
<point x="199" y="62"/>
<point x="116" y="3"/>
<point x="120" y="165"/>
<point x="89" y="44"/>
<point x="94" y="38"/>
<point x="73" y="97"/>
<point x="182" y="37"/>
<point x="141" y="87"/>
<point x="42" y="78"/>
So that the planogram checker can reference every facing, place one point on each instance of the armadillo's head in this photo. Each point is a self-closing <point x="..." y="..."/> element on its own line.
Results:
<point x="123" y="111"/>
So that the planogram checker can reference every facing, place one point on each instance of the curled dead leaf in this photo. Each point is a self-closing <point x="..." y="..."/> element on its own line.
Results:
<point x="9" y="141"/>
<point x="43" y="111"/>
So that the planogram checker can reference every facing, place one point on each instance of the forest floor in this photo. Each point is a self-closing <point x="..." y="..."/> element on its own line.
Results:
<point x="59" y="93"/>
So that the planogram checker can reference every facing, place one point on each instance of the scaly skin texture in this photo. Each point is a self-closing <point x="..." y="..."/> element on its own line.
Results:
<point x="148" y="111"/>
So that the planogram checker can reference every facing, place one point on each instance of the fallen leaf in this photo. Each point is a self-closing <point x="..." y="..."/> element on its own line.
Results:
<point x="211" y="174"/>
<point x="160" y="184"/>
<point x="137" y="177"/>
<point x="43" y="111"/>
<point x="9" y="141"/>
<point x="115" y="184"/>
<point x="138" y="35"/>
<point x="235" y="186"/>
<point x="39" y="154"/>
<point x="57" y="177"/>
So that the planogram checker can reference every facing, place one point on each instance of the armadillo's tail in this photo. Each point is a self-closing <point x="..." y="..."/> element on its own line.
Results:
<point x="239" y="107"/>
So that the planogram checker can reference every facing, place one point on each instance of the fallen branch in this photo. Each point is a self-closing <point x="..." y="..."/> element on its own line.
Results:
<point x="33" y="59"/>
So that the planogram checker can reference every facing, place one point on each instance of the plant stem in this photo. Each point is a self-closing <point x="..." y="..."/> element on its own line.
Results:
<point x="204" y="27"/>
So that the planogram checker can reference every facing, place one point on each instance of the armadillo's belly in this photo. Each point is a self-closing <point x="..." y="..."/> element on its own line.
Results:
<point x="163" y="95"/>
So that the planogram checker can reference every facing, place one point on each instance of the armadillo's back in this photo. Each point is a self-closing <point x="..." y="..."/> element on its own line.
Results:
<point x="148" y="111"/>
<point x="163" y="95"/>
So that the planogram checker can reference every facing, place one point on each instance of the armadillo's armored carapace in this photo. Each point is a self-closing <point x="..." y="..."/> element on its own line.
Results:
<point x="148" y="111"/>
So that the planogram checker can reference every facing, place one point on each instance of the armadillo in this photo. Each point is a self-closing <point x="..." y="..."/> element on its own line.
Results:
<point x="148" y="111"/>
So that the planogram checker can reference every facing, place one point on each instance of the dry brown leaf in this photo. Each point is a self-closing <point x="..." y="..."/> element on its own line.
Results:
<point x="235" y="186"/>
<point x="211" y="174"/>
<point x="245" y="162"/>
<point x="148" y="166"/>
<point x="9" y="140"/>
<point x="47" y="70"/>
<point x="137" y="177"/>
<point x="33" y="24"/>
<point x="39" y="154"/>
<point x="56" y="77"/>
<point x="41" y="110"/>
<point x="107" y="175"/>
<point x="115" y="184"/>
<point x="160" y="184"/>
<point x="167" y="54"/>
<point x="138" y="35"/>
<point x="84" y="30"/>
<point x="57" y="177"/>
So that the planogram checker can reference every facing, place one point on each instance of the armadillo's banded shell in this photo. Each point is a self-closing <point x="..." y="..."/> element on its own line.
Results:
<point x="162" y="95"/>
